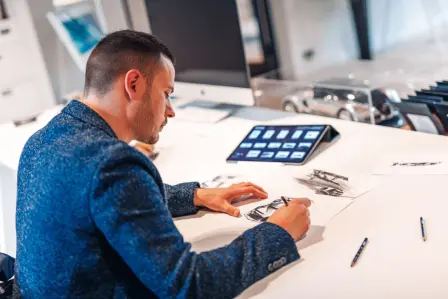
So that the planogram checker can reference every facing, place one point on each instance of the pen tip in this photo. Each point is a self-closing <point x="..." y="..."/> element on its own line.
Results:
<point x="352" y="264"/>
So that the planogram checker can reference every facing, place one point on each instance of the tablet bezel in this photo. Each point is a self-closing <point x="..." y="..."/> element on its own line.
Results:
<point x="305" y="159"/>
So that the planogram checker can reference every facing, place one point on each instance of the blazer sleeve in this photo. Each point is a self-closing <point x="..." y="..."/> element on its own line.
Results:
<point x="180" y="198"/>
<point x="127" y="206"/>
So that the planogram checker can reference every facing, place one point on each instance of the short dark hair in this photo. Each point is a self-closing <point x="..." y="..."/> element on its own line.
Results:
<point x="119" y="52"/>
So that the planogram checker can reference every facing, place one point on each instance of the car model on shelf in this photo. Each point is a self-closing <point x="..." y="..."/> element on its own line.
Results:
<point x="344" y="99"/>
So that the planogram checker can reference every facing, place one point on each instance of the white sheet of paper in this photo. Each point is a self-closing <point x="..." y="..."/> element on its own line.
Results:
<point x="334" y="184"/>
<point x="223" y="229"/>
<point x="413" y="164"/>
<point x="222" y="181"/>
<point x="323" y="208"/>
<point x="202" y="115"/>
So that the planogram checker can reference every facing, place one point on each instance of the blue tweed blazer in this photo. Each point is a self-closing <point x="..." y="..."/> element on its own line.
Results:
<point x="94" y="220"/>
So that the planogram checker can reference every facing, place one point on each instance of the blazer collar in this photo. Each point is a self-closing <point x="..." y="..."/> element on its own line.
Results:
<point x="85" y="114"/>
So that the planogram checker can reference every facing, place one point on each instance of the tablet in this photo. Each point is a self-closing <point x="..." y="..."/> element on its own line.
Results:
<point x="281" y="144"/>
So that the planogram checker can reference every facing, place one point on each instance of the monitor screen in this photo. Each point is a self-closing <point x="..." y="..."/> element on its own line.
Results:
<point x="205" y="38"/>
<point x="83" y="30"/>
<point x="78" y="29"/>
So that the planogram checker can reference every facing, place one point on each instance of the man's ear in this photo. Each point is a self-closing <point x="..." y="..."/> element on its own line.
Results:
<point x="134" y="84"/>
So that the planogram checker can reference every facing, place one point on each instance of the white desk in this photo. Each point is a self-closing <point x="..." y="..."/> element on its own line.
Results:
<point x="395" y="264"/>
<point x="13" y="140"/>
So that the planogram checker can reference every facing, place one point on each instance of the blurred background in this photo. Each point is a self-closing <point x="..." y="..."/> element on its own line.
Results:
<point x="381" y="62"/>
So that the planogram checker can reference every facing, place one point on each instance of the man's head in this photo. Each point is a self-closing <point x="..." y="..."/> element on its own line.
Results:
<point x="135" y="73"/>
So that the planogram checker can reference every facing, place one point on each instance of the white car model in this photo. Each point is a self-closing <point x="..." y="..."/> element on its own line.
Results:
<point x="340" y="103"/>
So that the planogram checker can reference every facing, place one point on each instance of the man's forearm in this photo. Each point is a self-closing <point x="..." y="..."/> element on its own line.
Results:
<point x="180" y="198"/>
<point x="226" y="272"/>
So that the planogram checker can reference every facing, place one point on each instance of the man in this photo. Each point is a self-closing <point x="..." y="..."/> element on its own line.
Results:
<point x="94" y="219"/>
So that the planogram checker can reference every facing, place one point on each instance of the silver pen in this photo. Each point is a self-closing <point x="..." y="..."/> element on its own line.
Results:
<point x="422" y="224"/>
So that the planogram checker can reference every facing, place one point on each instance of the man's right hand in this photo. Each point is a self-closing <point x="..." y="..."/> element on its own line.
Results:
<point x="294" y="218"/>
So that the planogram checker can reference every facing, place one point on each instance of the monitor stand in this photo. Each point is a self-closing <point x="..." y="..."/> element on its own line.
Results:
<point x="202" y="108"/>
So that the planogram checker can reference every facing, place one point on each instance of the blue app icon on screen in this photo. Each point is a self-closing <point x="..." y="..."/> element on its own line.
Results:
<point x="297" y="134"/>
<point x="304" y="145"/>
<point x="253" y="154"/>
<point x="297" y="155"/>
<point x="312" y="135"/>
<point x="268" y="134"/>
<point x="254" y="134"/>
<point x="289" y="145"/>
<point x="282" y="155"/>
<point x="260" y="145"/>
<point x="267" y="154"/>
<point x="282" y="134"/>
<point x="274" y="145"/>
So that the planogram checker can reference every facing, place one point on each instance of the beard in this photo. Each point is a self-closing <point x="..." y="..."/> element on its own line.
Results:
<point x="153" y="139"/>
<point x="155" y="135"/>
<point x="164" y="124"/>
<point x="145" y="127"/>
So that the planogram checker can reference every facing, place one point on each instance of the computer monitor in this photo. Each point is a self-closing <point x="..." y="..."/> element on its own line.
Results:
<point x="78" y="29"/>
<point x="205" y="38"/>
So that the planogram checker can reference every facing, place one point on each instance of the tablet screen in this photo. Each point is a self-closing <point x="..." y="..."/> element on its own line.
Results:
<point x="284" y="144"/>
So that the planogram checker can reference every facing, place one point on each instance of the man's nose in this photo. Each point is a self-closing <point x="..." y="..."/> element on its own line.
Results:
<point x="170" y="111"/>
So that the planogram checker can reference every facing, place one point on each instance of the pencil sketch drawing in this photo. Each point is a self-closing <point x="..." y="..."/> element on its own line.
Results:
<point x="218" y="181"/>
<point x="325" y="183"/>
<point x="262" y="213"/>
<point x="412" y="164"/>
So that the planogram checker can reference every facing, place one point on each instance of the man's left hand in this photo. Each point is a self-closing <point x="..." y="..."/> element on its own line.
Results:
<point x="220" y="199"/>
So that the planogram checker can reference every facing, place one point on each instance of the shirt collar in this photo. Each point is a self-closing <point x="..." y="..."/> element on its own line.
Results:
<point x="85" y="114"/>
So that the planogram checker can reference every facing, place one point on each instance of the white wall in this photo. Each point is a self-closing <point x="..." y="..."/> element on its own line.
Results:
<point x="64" y="75"/>
<point x="397" y="21"/>
<point x="8" y="195"/>
<point x="324" y="26"/>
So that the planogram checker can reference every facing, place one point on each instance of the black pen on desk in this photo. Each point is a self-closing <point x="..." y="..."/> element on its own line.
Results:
<point x="422" y="225"/>
<point x="363" y="245"/>
<point x="284" y="200"/>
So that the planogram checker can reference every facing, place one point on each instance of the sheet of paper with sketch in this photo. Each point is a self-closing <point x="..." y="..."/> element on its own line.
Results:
<point x="263" y="212"/>
<point x="323" y="209"/>
<point x="328" y="183"/>
<point x="330" y="192"/>
<point x="413" y="164"/>
<point x="221" y="181"/>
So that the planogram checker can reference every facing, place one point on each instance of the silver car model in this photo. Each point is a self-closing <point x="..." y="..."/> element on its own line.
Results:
<point x="340" y="103"/>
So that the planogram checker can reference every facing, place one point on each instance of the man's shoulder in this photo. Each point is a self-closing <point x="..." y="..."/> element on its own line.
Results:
<point x="120" y="156"/>
<point x="64" y="137"/>
<point x="118" y="151"/>
<point x="67" y="147"/>
<point x="68" y="142"/>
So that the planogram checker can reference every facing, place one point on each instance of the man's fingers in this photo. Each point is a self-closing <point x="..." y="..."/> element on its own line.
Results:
<point x="248" y="184"/>
<point x="231" y="210"/>
<point x="303" y="201"/>
<point x="237" y="192"/>
<point x="236" y="185"/>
